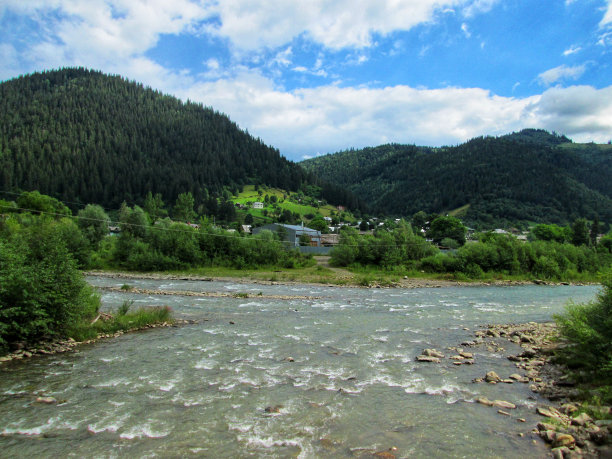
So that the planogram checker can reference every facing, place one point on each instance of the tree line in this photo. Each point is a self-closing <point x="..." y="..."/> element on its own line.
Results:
<point x="85" y="137"/>
<point x="512" y="180"/>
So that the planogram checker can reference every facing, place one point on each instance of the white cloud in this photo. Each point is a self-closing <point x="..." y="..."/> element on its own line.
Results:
<point x="335" y="24"/>
<point x="330" y="118"/>
<point x="99" y="32"/>
<point x="607" y="19"/>
<point x="478" y="6"/>
<point x="562" y="72"/>
<point x="466" y="31"/>
<point x="572" y="50"/>
<point x="283" y="58"/>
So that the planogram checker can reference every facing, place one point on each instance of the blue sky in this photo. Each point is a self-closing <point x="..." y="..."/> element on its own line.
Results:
<point x="318" y="76"/>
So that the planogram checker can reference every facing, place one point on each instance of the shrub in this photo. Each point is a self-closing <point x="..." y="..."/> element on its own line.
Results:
<point x="41" y="291"/>
<point x="588" y="328"/>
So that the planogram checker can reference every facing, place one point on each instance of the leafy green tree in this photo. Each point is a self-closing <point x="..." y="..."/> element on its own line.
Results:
<point x="183" y="208"/>
<point x="248" y="220"/>
<point x="133" y="222"/>
<point x="544" y="232"/>
<point x="42" y="293"/>
<point x="40" y="203"/>
<point x="93" y="222"/>
<point x="580" y="232"/>
<point x="419" y="220"/>
<point x="154" y="206"/>
<point x="318" y="223"/>
<point x="447" y="227"/>
<point x="588" y="327"/>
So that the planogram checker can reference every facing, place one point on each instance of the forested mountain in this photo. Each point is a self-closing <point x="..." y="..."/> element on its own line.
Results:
<point x="83" y="136"/>
<point x="531" y="175"/>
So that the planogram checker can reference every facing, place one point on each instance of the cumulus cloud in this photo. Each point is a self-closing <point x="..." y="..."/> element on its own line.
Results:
<point x="330" y="118"/>
<point x="562" y="72"/>
<point x="572" y="50"/>
<point x="99" y="32"/>
<point x="334" y="24"/>
<point x="607" y="19"/>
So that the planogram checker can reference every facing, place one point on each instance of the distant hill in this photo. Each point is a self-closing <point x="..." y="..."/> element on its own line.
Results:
<point x="529" y="176"/>
<point x="83" y="136"/>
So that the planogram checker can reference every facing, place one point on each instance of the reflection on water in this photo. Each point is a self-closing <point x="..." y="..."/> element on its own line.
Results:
<point x="308" y="378"/>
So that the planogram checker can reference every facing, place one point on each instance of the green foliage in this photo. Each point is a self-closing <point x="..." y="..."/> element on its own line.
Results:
<point x="83" y="136"/>
<point x="183" y="209"/>
<point x="544" y="232"/>
<point x="588" y="328"/>
<point x="504" y="254"/>
<point x="154" y="206"/>
<point x="41" y="291"/>
<point x="447" y="227"/>
<point x="531" y="176"/>
<point x="93" y="222"/>
<point x="319" y="224"/>
<point x="134" y="320"/>
<point x="35" y="202"/>
<point x="580" y="232"/>
<point x="384" y="248"/>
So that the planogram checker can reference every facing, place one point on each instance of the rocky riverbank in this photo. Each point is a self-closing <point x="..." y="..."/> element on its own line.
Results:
<point x="207" y="294"/>
<point x="565" y="425"/>
<point x="59" y="346"/>
<point x="404" y="282"/>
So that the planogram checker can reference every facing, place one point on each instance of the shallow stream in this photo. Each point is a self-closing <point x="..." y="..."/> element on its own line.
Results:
<point x="256" y="377"/>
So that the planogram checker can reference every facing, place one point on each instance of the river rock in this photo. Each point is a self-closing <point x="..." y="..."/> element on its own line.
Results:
<point x="491" y="376"/>
<point x="466" y="355"/>
<point x="504" y="404"/>
<point x="273" y="409"/>
<point x="528" y="352"/>
<point x="46" y="400"/>
<point x="549" y="412"/>
<point x="582" y="420"/>
<point x="561" y="453"/>
<point x="484" y="401"/>
<point x="543" y="426"/>
<point x="433" y="353"/>
<point x="426" y="358"/>
<point x="564" y="440"/>
<point x="548" y="435"/>
<point x="387" y="454"/>
<point x="569" y="408"/>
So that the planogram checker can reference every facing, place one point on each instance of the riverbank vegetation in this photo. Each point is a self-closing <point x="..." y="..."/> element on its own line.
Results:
<point x="490" y="256"/>
<point x="43" y="294"/>
<point x="587" y="328"/>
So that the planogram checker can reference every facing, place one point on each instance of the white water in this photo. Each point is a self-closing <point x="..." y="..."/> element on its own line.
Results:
<point x="202" y="390"/>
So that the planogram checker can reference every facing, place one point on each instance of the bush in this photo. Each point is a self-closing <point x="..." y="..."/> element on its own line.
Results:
<point x="41" y="291"/>
<point x="588" y="328"/>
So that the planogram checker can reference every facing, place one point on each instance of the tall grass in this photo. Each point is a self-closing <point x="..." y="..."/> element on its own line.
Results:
<point x="122" y="321"/>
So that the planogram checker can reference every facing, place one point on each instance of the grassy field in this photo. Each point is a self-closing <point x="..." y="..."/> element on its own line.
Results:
<point x="249" y="194"/>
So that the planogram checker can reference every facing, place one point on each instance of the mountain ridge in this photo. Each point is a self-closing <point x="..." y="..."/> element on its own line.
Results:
<point x="526" y="176"/>
<point x="84" y="136"/>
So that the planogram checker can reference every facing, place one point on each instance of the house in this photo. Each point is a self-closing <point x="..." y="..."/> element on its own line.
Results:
<point x="292" y="233"/>
<point x="258" y="205"/>
<point x="328" y="240"/>
<point x="246" y="229"/>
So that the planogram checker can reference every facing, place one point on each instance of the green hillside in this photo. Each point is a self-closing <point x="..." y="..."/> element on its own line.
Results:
<point x="85" y="137"/>
<point x="530" y="176"/>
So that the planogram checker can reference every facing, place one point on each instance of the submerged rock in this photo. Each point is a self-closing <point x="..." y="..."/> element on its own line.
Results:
<point x="46" y="400"/>
<point x="426" y="358"/>
<point x="433" y="353"/>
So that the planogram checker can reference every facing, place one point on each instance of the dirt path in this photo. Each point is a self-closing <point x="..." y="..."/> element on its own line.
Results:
<point x="323" y="260"/>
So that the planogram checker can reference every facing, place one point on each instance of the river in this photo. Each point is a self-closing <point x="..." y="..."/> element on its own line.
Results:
<point x="333" y="376"/>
